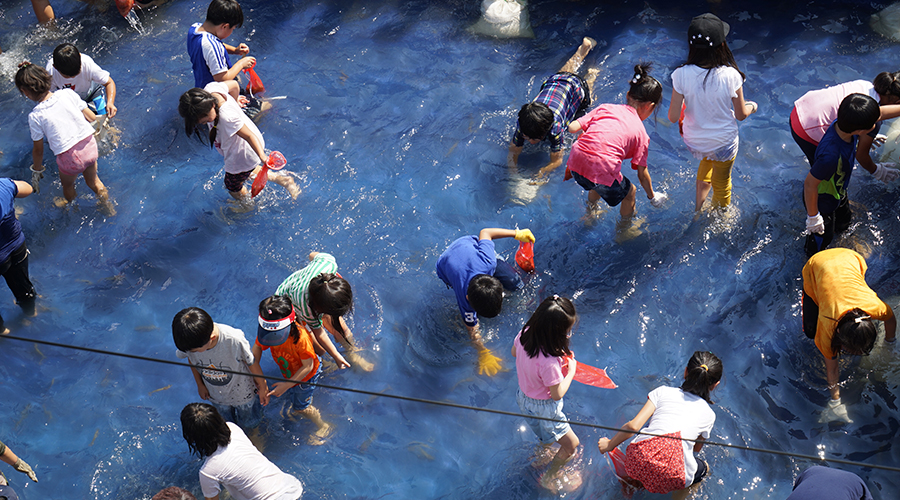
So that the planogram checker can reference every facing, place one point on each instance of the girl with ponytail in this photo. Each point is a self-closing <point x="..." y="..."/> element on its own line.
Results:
<point x="664" y="463"/>
<point x="610" y="134"/>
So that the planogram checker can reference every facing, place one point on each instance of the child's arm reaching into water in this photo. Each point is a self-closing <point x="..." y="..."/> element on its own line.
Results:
<point x="88" y="114"/>
<point x="606" y="444"/>
<point x="742" y="108"/>
<point x="255" y="369"/>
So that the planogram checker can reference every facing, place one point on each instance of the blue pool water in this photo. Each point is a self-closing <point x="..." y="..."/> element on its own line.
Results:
<point x="395" y="120"/>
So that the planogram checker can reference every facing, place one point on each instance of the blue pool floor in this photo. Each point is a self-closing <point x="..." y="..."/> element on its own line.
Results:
<point x="395" y="121"/>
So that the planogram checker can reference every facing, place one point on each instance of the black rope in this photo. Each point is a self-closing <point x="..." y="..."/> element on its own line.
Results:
<point x="456" y="405"/>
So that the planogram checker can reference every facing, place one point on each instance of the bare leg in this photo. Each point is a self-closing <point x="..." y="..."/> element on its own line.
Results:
<point x="285" y="181"/>
<point x="93" y="181"/>
<point x="323" y="429"/>
<point x="567" y="446"/>
<point x="627" y="208"/>
<point x="43" y="11"/>
<point x="575" y="61"/>
<point x="703" y="189"/>
<point x="68" y="184"/>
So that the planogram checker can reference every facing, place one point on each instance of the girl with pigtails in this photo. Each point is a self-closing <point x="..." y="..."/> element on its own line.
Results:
<point x="663" y="462"/>
<point x="610" y="134"/>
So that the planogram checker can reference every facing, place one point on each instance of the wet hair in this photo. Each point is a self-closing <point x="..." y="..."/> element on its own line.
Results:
<point x="195" y="104"/>
<point x="277" y="307"/>
<point x="204" y="429"/>
<point x="703" y="371"/>
<point x="535" y="120"/>
<point x="32" y="78"/>
<point x="547" y="331"/>
<point x="225" y="11"/>
<point x="854" y="334"/>
<point x="857" y="112"/>
<point x="173" y="493"/>
<point x="330" y="294"/>
<point x="644" y="88"/>
<point x="67" y="60"/>
<point x="887" y="84"/>
<point x="191" y="328"/>
<point x="710" y="58"/>
<point x="485" y="295"/>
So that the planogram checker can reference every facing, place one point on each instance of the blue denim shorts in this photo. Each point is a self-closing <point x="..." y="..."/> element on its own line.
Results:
<point x="613" y="195"/>
<point x="302" y="393"/>
<point x="246" y="416"/>
<point x="547" y="431"/>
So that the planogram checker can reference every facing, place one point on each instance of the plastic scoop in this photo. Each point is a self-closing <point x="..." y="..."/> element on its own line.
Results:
<point x="124" y="6"/>
<point x="274" y="162"/>
<point x="525" y="256"/>
<point x="256" y="85"/>
<point x="589" y="375"/>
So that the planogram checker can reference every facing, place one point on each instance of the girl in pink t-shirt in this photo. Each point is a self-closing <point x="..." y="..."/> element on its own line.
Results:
<point x="610" y="134"/>
<point x="542" y="350"/>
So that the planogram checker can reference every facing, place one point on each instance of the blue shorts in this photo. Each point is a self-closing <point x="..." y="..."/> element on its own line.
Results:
<point x="302" y="393"/>
<point x="246" y="416"/>
<point x="547" y="431"/>
<point x="613" y="195"/>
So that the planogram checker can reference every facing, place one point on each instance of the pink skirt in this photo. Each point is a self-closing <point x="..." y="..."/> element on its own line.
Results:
<point x="79" y="157"/>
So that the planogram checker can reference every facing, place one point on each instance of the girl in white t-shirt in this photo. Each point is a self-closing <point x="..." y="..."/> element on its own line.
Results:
<point x="231" y="459"/>
<point x="707" y="92"/>
<point x="65" y="121"/>
<point x="662" y="464"/>
<point x="233" y="134"/>
<point x="545" y="369"/>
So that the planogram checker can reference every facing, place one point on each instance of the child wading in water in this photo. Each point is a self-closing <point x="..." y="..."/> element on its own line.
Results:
<point x="662" y="464"/>
<point x="610" y="134"/>
<point x="542" y="350"/>
<point x="240" y="142"/>
<point x="65" y="121"/>
<point x="709" y="85"/>
<point x="295" y="353"/>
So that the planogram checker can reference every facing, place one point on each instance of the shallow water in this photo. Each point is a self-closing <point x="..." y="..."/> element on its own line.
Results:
<point x="395" y="122"/>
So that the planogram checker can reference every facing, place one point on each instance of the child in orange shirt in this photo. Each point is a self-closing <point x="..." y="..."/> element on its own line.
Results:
<point x="297" y="359"/>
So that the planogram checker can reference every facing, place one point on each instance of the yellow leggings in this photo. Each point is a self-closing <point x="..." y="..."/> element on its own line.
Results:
<point x="717" y="173"/>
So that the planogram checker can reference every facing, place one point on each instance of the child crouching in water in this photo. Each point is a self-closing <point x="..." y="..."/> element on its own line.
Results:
<point x="65" y="120"/>
<point x="294" y="352"/>
<point x="542" y="350"/>
<point x="662" y="464"/>
<point x="240" y="142"/>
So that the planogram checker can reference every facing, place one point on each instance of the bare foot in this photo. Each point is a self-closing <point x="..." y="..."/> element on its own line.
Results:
<point x="4" y="332"/>
<point x="318" y="438"/>
<point x="566" y="480"/>
<point x="293" y="189"/>
<point x="60" y="202"/>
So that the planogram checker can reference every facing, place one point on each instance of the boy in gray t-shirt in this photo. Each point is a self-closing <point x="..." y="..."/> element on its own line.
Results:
<point x="213" y="345"/>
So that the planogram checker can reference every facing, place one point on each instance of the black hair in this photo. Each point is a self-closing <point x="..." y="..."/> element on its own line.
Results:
<point x="204" y="429"/>
<point x="710" y="58"/>
<point x="173" y="493"/>
<point x="195" y="104"/>
<point x="225" y="11"/>
<point x="191" y="328"/>
<point x="277" y="307"/>
<point x="887" y="84"/>
<point x="32" y="78"/>
<point x="645" y="88"/>
<point x="535" y="120"/>
<point x="330" y="294"/>
<point x="703" y="371"/>
<point x="485" y="295"/>
<point x="547" y="331"/>
<point x="857" y="112"/>
<point x="854" y="334"/>
<point x="67" y="60"/>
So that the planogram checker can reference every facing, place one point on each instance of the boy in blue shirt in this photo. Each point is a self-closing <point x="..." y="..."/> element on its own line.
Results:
<point x="825" y="187"/>
<point x="470" y="267"/>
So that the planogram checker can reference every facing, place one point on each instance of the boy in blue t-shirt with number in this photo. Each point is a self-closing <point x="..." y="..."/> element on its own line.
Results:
<point x="470" y="267"/>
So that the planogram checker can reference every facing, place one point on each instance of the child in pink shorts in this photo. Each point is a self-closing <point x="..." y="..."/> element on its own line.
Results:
<point x="64" y="120"/>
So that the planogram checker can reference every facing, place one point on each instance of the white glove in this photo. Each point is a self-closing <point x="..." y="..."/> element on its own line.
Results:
<point x="658" y="199"/>
<point x="815" y="224"/>
<point x="885" y="172"/>
<point x="835" y="411"/>
<point x="36" y="176"/>
<point x="878" y="141"/>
